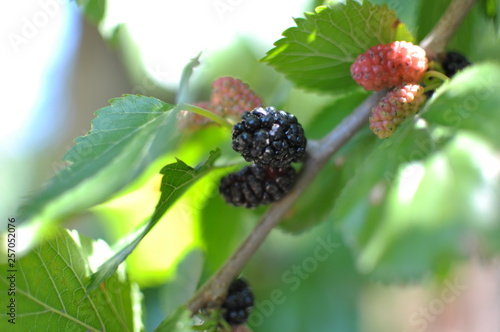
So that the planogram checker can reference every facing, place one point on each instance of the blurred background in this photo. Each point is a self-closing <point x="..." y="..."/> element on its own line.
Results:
<point x="58" y="68"/>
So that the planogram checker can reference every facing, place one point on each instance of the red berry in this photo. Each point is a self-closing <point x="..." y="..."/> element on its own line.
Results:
<point x="231" y="97"/>
<point x="392" y="110"/>
<point x="385" y="66"/>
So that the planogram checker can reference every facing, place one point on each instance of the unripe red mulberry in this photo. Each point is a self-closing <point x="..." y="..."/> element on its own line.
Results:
<point x="385" y="66"/>
<point x="392" y="110"/>
<point x="230" y="98"/>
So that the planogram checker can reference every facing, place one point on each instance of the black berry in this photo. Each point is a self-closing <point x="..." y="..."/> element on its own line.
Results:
<point x="269" y="137"/>
<point x="453" y="62"/>
<point x="238" y="303"/>
<point x="257" y="185"/>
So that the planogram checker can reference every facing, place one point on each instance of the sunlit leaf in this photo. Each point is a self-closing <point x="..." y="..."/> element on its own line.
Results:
<point x="125" y="138"/>
<point x="433" y="208"/>
<point x="177" y="178"/>
<point x="360" y="208"/>
<point x="51" y="293"/>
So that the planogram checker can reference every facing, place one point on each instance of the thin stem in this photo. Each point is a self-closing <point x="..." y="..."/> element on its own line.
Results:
<point x="436" y="74"/>
<point x="203" y="112"/>
<point x="439" y="37"/>
<point x="432" y="87"/>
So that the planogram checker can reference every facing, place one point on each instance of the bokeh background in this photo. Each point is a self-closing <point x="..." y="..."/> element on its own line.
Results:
<point x="58" y="68"/>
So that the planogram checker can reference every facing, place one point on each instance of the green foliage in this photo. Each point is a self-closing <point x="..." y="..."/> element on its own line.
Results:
<point x="177" y="178"/>
<point x="430" y="210"/>
<point x="125" y="138"/>
<point x="318" y="53"/>
<point x="360" y="207"/>
<point x="50" y="289"/>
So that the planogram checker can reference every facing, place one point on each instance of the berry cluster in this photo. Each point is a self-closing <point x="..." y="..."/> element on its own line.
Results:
<point x="229" y="99"/>
<point x="272" y="140"/>
<point x="399" y="66"/>
<point x="238" y="303"/>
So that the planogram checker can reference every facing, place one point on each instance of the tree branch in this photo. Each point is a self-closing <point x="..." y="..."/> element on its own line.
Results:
<point x="435" y="42"/>
<point x="319" y="152"/>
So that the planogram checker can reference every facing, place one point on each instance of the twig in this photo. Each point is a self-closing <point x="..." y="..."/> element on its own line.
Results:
<point x="213" y="291"/>
<point x="435" y="42"/>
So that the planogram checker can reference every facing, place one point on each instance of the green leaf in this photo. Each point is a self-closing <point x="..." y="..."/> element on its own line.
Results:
<point x="125" y="138"/>
<point x="94" y="10"/>
<point x="179" y="321"/>
<point x="470" y="101"/>
<point x="50" y="289"/>
<point x="405" y="10"/>
<point x="177" y="178"/>
<point x="433" y="207"/>
<point x="361" y="205"/>
<point x="318" y="52"/>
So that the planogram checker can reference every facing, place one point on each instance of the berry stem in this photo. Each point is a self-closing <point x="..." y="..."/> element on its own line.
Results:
<point x="432" y="84"/>
<point x="432" y="87"/>
<point x="436" y="74"/>
<point x="203" y="112"/>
